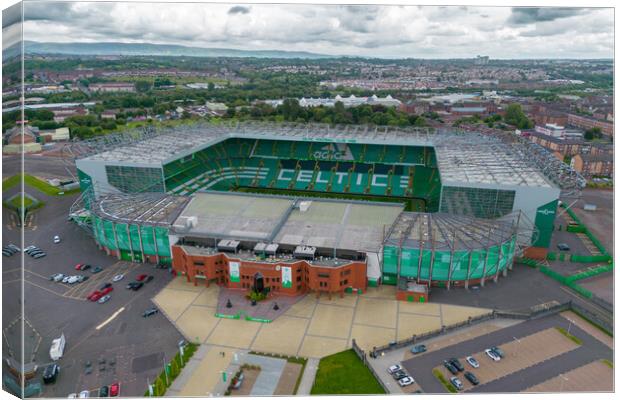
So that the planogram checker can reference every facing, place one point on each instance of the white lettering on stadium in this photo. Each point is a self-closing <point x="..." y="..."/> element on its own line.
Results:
<point x="357" y="179"/>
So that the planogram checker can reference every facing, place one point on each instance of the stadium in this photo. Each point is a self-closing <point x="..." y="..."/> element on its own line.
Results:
<point x="241" y="205"/>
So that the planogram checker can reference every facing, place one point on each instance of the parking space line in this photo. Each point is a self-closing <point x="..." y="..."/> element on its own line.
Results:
<point x="42" y="287"/>
<point x="107" y="321"/>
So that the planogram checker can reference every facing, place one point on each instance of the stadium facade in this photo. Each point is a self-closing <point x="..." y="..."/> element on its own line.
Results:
<point x="460" y="205"/>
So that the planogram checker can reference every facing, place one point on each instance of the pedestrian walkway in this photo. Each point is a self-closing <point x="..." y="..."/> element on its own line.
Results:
<point x="307" y="380"/>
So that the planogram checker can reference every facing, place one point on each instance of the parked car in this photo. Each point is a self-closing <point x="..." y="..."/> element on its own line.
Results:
<point x="56" y="239"/>
<point x="66" y="279"/>
<point x="471" y="377"/>
<point x="82" y="278"/>
<point x="115" y="389"/>
<point x="141" y="277"/>
<point x="103" y="391"/>
<point x="50" y="373"/>
<point x="85" y="267"/>
<point x="118" y="277"/>
<point x="456" y="382"/>
<point x="563" y="247"/>
<point x="78" y="267"/>
<point x="6" y="253"/>
<point x="94" y="296"/>
<point x="12" y="246"/>
<point x="59" y="277"/>
<point x="39" y="255"/>
<point x="492" y="355"/>
<point x="406" y="381"/>
<point x="417" y="349"/>
<point x="450" y="367"/>
<point x="472" y="361"/>
<point x="149" y="278"/>
<point x="33" y="250"/>
<point x="106" y="290"/>
<point x="498" y="351"/>
<point x="84" y="394"/>
<point x="400" y="374"/>
<point x="29" y="248"/>
<point x="97" y="269"/>
<point x="137" y="286"/>
<point x="73" y="279"/>
<point x="457" y="364"/>
<point x="149" y="312"/>
<point x="394" y="368"/>
<point x="104" y="299"/>
<point x="105" y="286"/>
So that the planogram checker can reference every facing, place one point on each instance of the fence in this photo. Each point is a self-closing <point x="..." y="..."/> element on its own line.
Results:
<point x="582" y="228"/>
<point x="362" y="356"/>
<point x="604" y="322"/>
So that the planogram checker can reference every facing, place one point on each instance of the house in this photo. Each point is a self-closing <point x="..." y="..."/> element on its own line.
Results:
<point x="17" y="140"/>
<point x="112" y="87"/>
<point x="593" y="165"/>
<point x="64" y="113"/>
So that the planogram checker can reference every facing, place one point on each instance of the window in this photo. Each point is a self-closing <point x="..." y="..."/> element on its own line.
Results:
<point x="347" y="272"/>
<point x="199" y="263"/>
<point x="298" y="278"/>
<point x="323" y="275"/>
<point x="346" y="281"/>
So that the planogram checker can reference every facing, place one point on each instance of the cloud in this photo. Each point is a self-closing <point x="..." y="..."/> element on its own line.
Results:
<point x="361" y="30"/>
<point x="239" y="10"/>
<point x="523" y="16"/>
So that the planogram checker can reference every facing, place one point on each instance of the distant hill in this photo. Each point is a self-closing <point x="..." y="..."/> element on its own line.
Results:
<point x="152" y="49"/>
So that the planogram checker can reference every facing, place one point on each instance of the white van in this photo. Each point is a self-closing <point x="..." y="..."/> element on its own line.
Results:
<point x="57" y="348"/>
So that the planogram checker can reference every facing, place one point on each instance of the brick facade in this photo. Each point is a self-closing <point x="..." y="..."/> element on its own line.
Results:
<point x="306" y="277"/>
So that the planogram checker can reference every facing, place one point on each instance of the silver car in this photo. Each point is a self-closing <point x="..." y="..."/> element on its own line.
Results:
<point x="104" y="299"/>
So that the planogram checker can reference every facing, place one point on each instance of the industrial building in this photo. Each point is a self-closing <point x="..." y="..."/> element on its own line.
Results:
<point x="449" y="208"/>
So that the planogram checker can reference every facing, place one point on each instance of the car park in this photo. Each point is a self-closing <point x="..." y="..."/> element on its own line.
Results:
<point x="472" y="361"/>
<point x="115" y="389"/>
<point x="406" y="381"/>
<point x="456" y="382"/>
<point x="450" y="367"/>
<point x="498" y="351"/>
<point x="141" y="277"/>
<point x="118" y="277"/>
<point x="492" y="355"/>
<point x="457" y="364"/>
<point x="84" y="394"/>
<point x="50" y="373"/>
<point x="420" y="348"/>
<point x="149" y="312"/>
<point x="56" y="239"/>
<point x="103" y="391"/>
<point x="97" y="269"/>
<point x="394" y="368"/>
<point x="149" y="278"/>
<point x="471" y="378"/>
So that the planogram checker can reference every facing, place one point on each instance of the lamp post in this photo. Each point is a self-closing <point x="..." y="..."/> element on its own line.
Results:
<point x="564" y="379"/>
<point x="570" y="323"/>
<point x="518" y="341"/>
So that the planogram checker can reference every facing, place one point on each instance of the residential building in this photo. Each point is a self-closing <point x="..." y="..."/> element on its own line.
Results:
<point x="584" y="122"/>
<point x="111" y="87"/>
<point x="593" y="165"/>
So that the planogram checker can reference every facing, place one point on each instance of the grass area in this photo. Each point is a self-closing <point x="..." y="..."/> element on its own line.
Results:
<point x="35" y="183"/>
<point x="17" y="201"/>
<point x="295" y="360"/>
<point x="449" y="387"/>
<point x="568" y="335"/>
<point x="410" y="204"/>
<point x="608" y="363"/>
<point x="344" y="373"/>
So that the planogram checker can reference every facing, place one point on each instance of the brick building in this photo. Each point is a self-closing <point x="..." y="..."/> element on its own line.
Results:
<point x="593" y="165"/>
<point x="580" y="121"/>
<point x="112" y="87"/>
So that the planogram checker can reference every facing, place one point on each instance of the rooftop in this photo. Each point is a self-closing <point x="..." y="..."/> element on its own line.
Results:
<point x="156" y="209"/>
<point x="326" y="223"/>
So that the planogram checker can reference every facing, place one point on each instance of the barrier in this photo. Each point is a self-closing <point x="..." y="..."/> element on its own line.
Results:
<point x="362" y="356"/>
<point x="590" y="273"/>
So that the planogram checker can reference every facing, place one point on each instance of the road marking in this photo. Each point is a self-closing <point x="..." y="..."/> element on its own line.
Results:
<point x="11" y="270"/>
<point x="14" y="280"/>
<point x="107" y="321"/>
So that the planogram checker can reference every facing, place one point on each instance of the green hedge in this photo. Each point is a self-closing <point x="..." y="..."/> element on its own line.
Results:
<point x="444" y="381"/>
<point x="161" y="383"/>
<point x="590" y="273"/>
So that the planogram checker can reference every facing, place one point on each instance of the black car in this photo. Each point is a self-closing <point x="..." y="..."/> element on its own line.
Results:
<point x="472" y="378"/>
<point x="33" y="250"/>
<point x="105" y="286"/>
<point x="6" y="253"/>
<point x="400" y="374"/>
<point x="85" y="267"/>
<point x="50" y="373"/>
<point x="103" y="391"/>
<point x="450" y="367"/>
<point x="457" y="364"/>
<point x="135" y="286"/>
<point x="497" y="351"/>
<point x="130" y="285"/>
<point x="149" y="278"/>
<point x="150" y="311"/>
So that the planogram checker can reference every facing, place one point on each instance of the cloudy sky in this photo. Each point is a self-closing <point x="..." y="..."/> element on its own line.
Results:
<point x="375" y="31"/>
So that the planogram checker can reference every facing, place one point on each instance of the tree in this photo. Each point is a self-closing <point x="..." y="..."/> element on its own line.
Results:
<point x="593" y="133"/>
<point x="516" y="117"/>
<point x="210" y="86"/>
<point x="143" y="86"/>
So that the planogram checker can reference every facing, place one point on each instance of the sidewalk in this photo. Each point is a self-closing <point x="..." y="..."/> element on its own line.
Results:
<point x="305" y="386"/>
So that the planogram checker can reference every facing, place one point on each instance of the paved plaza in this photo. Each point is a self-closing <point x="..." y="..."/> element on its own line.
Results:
<point x="315" y="327"/>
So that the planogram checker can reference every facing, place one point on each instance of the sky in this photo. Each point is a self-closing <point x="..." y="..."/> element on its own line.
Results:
<point x="364" y="30"/>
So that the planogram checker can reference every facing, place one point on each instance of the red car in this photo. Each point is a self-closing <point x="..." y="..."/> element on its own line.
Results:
<point x="78" y="267"/>
<point x="94" y="296"/>
<point x="141" y="277"/>
<point x="106" y="290"/>
<point x="115" y="389"/>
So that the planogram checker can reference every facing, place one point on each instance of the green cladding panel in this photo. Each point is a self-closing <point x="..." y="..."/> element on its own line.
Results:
<point x="122" y="236"/>
<point x="460" y="260"/>
<point x="492" y="260"/>
<point x="409" y="262"/>
<point x="163" y="245"/>
<point x="148" y="240"/>
<point x="545" y="216"/>
<point x="441" y="265"/>
<point x="390" y="259"/>
<point x="134" y="237"/>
